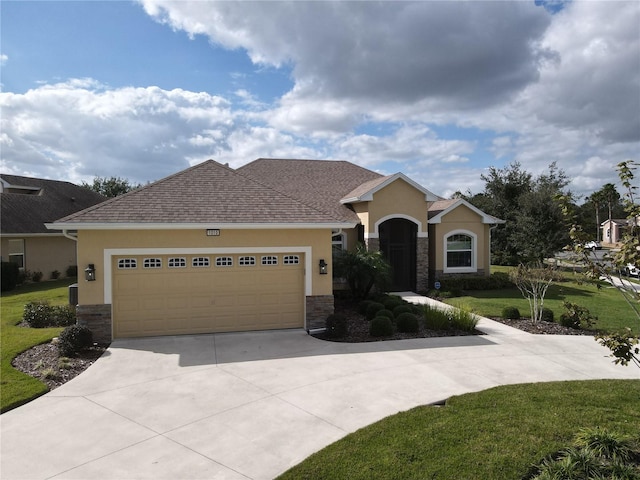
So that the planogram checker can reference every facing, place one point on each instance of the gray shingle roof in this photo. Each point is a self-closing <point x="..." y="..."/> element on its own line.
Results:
<point x="321" y="183"/>
<point x="208" y="193"/>
<point x="24" y="213"/>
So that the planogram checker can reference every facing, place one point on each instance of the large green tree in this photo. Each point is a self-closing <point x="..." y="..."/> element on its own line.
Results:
<point x="110" y="187"/>
<point x="535" y="227"/>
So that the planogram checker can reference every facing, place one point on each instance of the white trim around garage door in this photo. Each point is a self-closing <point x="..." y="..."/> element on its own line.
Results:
<point x="109" y="253"/>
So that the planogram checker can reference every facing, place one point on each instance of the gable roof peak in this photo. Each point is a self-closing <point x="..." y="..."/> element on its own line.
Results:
<point x="365" y="191"/>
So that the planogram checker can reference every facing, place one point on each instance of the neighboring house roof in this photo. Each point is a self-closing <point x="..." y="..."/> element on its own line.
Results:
<point x="365" y="192"/>
<point x="321" y="183"/>
<point x="617" y="221"/>
<point x="206" y="194"/>
<point x="28" y="203"/>
<point x="440" y="208"/>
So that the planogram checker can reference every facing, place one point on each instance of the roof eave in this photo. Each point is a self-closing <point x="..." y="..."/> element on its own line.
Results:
<point x="195" y="226"/>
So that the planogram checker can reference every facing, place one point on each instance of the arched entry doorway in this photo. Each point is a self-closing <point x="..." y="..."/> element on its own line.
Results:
<point x="398" y="245"/>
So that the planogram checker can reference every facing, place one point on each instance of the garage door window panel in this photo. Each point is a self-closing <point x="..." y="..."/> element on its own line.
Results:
<point x="291" y="260"/>
<point x="200" y="262"/>
<point x="269" y="260"/>
<point x="247" y="261"/>
<point x="224" y="261"/>
<point x="177" y="262"/>
<point x="127" y="263"/>
<point x="152" y="263"/>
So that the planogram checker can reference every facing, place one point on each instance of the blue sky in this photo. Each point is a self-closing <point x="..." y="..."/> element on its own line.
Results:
<point x="438" y="90"/>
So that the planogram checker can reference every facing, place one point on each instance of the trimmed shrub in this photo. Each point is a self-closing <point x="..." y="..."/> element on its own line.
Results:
<point x="381" y="327"/>
<point x="73" y="340"/>
<point x="10" y="274"/>
<point x="402" y="309"/>
<point x="495" y="281"/>
<point x="41" y="315"/>
<point x="577" y="317"/>
<point x="363" y="305"/>
<point x="547" y="315"/>
<point x="55" y="275"/>
<point x="385" y="313"/>
<point x="436" y="319"/>
<point x="392" y="302"/>
<point x="511" y="313"/>
<point x="337" y="326"/>
<point x="407" y="323"/>
<point x="36" y="276"/>
<point x="373" y="308"/>
<point x="72" y="271"/>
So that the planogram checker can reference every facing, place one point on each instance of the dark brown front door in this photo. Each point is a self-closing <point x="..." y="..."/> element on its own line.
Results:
<point x="398" y="245"/>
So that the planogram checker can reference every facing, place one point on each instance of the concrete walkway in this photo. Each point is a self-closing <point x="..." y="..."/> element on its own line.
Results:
<point x="251" y="405"/>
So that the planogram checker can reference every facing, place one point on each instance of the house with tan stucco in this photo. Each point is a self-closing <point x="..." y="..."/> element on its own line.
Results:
<point x="26" y="205"/>
<point x="216" y="249"/>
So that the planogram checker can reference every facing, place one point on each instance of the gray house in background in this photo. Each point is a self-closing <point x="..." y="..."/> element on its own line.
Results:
<point x="26" y="205"/>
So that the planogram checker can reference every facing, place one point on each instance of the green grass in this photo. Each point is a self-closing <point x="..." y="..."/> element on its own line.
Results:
<point x="606" y="303"/>
<point x="17" y="388"/>
<point x="495" y="434"/>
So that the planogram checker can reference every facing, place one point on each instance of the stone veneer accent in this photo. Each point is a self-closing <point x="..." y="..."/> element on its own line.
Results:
<point x="319" y="307"/>
<point x="422" y="264"/>
<point x="98" y="319"/>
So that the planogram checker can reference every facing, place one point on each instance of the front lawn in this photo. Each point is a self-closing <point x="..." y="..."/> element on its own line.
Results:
<point x="495" y="434"/>
<point x="605" y="302"/>
<point x="17" y="388"/>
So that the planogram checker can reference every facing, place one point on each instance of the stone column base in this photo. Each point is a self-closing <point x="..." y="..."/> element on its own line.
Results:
<point x="319" y="307"/>
<point x="98" y="319"/>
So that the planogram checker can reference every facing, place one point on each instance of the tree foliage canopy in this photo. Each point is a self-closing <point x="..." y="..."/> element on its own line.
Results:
<point x="535" y="227"/>
<point x="110" y="187"/>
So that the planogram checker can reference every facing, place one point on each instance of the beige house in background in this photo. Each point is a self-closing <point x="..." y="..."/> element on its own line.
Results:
<point x="614" y="230"/>
<point x="213" y="249"/>
<point x="26" y="205"/>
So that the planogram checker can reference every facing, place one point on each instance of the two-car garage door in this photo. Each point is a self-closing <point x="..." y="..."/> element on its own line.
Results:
<point x="185" y="294"/>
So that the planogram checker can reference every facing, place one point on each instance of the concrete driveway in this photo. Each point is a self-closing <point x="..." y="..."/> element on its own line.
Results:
<point x="251" y="405"/>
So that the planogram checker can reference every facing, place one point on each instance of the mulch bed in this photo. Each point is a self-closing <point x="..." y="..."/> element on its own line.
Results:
<point x="44" y="363"/>
<point x="359" y="327"/>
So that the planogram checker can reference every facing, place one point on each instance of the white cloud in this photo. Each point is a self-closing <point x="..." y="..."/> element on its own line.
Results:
<point x="3" y="59"/>
<point x="80" y="128"/>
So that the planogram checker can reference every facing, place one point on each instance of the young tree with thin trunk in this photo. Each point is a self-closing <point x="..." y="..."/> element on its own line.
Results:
<point x="533" y="281"/>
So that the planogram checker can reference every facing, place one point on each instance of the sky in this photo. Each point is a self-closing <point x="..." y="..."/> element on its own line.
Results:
<point x="438" y="90"/>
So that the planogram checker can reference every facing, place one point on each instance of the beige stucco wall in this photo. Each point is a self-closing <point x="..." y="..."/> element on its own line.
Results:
<point x="44" y="253"/>
<point x="461" y="218"/>
<point x="92" y="243"/>
<point x="397" y="198"/>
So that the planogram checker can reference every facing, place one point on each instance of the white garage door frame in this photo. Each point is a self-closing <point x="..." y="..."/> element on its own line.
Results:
<point x="111" y="252"/>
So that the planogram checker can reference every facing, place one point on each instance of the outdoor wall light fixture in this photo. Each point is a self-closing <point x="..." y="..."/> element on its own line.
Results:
<point x="90" y="273"/>
<point x="323" y="267"/>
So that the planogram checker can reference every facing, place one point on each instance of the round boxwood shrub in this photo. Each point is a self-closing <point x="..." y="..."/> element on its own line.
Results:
<point x="547" y="315"/>
<point x="407" y="323"/>
<point x="402" y="309"/>
<point x="373" y="309"/>
<point x="381" y="327"/>
<point x="392" y="302"/>
<point x="511" y="313"/>
<point x="337" y="326"/>
<point x="363" y="305"/>
<point x="385" y="313"/>
<point x="74" y="339"/>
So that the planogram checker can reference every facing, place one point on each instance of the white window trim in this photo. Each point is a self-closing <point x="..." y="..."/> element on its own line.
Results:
<point x="376" y="226"/>
<point x="342" y="242"/>
<point x="474" y="252"/>
<point x="291" y="260"/>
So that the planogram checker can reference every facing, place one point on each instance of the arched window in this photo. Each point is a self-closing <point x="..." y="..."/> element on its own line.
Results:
<point x="460" y="252"/>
